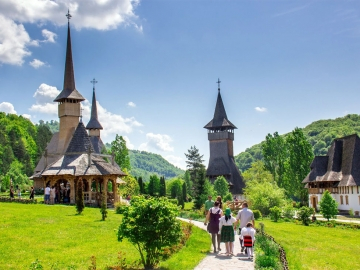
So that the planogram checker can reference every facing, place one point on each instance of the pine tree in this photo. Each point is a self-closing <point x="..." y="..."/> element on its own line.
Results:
<point x="184" y="192"/>
<point x="162" y="190"/>
<point x="199" y="189"/>
<point x="194" y="163"/>
<point x="141" y="185"/>
<point x="79" y="197"/>
<point x="328" y="206"/>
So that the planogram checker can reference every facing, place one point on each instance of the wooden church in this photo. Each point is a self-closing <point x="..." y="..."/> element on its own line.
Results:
<point x="221" y="137"/>
<point x="75" y="152"/>
<point x="339" y="173"/>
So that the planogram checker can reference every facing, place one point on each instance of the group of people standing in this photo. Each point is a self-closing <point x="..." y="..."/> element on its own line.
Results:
<point x="222" y="227"/>
<point x="56" y="195"/>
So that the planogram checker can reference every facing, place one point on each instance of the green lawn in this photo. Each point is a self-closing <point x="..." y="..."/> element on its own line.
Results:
<point x="60" y="239"/>
<point x="316" y="247"/>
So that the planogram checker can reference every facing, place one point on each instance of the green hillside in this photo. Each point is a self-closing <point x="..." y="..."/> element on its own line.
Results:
<point x="145" y="164"/>
<point x="320" y="134"/>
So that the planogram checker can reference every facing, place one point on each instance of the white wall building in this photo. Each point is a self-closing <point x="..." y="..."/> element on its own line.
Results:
<point x="339" y="173"/>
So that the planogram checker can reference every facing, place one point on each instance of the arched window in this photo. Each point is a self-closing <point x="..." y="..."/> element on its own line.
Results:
<point x="341" y="200"/>
<point x="347" y="199"/>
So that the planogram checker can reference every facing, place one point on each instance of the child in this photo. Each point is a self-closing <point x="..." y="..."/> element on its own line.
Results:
<point x="226" y="229"/>
<point x="248" y="231"/>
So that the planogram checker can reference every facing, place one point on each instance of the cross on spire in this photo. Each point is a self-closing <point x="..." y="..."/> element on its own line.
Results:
<point x="68" y="15"/>
<point x="218" y="82"/>
<point x="94" y="82"/>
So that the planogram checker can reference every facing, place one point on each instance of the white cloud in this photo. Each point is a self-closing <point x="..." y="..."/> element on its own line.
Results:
<point x="7" y="107"/>
<point x="96" y="14"/>
<point x="260" y="109"/>
<point x="129" y="145"/>
<point x="28" y="116"/>
<point x="13" y="42"/>
<point x="112" y="123"/>
<point x="48" y="35"/>
<point x="160" y="142"/>
<point x="44" y="100"/>
<point x="177" y="161"/>
<point x="36" y="63"/>
<point x="131" y="104"/>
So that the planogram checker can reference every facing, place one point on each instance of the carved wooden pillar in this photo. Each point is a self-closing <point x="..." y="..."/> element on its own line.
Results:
<point x="116" y="195"/>
<point x="105" y="184"/>
<point x="72" y="190"/>
<point x="89" y="188"/>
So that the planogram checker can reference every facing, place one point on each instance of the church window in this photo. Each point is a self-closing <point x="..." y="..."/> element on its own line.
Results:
<point x="348" y="192"/>
<point x="341" y="200"/>
<point x="357" y="188"/>
<point x="352" y="190"/>
<point x="347" y="199"/>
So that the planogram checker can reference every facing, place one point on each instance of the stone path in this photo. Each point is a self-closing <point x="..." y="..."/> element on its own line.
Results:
<point x="219" y="261"/>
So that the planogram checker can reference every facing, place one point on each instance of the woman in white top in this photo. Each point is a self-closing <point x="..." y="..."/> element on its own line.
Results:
<point x="226" y="229"/>
<point x="52" y="195"/>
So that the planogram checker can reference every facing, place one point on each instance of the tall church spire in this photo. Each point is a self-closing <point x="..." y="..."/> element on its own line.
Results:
<point x="94" y="121"/>
<point x="220" y="119"/>
<point x="69" y="91"/>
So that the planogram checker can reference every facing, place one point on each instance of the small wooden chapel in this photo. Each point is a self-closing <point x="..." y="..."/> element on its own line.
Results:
<point x="75" y="152"/>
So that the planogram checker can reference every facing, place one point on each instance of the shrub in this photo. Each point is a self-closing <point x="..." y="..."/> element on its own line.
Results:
<point x="79" y="197"/>
<point x="351" y="212"/>
<point x="228" y="197"/>
<point x="120" y="207"/>
<point x="257" y="214"/>
<point x="151" y="226"/>
<point x="275" y="213"/>
<point x="173" y="201"/>
<point x="288" y="212"/>
<point x="304" y="214"/>
<point x="103" y="209"/>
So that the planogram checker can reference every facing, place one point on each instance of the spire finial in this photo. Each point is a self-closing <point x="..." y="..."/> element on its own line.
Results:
<point x="218" y="82"/>
<point x="94" y="82"/>
<point x="68" y="15"/>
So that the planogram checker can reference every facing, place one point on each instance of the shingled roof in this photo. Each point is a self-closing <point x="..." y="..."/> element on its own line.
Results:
<point x="80" y="141"/>
<point x="341" y="164"/>
<point x="94" y="122"/>
<point x="220" y="119"/>
<point x="69" y="91"/>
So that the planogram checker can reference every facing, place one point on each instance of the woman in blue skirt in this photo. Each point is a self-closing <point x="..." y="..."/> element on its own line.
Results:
<point x="226" y="228"/>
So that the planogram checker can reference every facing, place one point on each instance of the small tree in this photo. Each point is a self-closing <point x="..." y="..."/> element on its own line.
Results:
<point x="150" y="225"/>
<point x="162" y="188"/>
<point x="79" y="197"/>
<point x="154" y="185"/>
<point x="328" y="206"/>
<point x="103" y="209"/>
<point x="184" y="192"/>
<point x="275" y="213"/>
<point x="221" y="186"/>
<point x="304" y="214"/>
<point x="141" y="185"/>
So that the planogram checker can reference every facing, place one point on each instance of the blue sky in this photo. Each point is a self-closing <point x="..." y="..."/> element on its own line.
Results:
<point x="283" y="64"/>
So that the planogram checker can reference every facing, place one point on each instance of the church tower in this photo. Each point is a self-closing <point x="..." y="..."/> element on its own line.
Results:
<point x="94" y="125"/>
<point x="68" y="100"/>
<point x="221" y="137"/>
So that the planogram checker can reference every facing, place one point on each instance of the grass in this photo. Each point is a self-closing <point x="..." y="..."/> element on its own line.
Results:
<point x="60" y="239"/>
<point x="316" y="247"/>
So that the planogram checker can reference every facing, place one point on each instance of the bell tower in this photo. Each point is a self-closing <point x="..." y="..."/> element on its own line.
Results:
<point x="221" y="137"/>
<point x="68" y="100"/>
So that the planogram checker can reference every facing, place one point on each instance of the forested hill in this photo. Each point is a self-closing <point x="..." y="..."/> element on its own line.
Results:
<point x="320" y="134"/>
<point x="145" y="164"/>
<point x="21" y="146"/>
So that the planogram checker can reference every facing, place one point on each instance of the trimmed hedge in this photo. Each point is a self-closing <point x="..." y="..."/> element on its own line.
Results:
<point x="16" y="200"/>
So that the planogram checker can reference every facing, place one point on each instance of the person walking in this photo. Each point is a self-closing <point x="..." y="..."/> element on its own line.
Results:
<point x="249" y="232"/>
<point x="208" y="204"/>
<point x="18" y="190"/>
<point x="47" y="195"/>
<point x="226" y="230"/>
<point x="245" y="216"/>
<point x="218" y="198"/>
<point x="52" y="195"/>
<point x="32" y="193"/>
<point x="11" y="192"/>
<point x="213" y="217"/>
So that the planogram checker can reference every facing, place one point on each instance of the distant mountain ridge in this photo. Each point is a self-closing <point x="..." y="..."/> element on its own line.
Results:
<point x="145" y="164"/>
<point x="320" y="134"/>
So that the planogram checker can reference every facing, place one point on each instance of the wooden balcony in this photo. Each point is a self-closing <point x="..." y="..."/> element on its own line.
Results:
<point x="322" y="190"/>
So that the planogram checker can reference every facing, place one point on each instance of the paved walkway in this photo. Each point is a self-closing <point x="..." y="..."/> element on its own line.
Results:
<point x="219" y="261"/>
